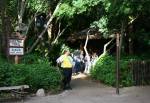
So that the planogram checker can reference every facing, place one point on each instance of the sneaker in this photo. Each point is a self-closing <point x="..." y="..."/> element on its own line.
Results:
<point x="69" y="88"/>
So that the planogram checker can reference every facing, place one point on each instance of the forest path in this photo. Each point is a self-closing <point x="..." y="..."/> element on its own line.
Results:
<point x="84" y="90"/>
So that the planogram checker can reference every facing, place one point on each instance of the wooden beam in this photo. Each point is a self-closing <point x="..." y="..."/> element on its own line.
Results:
<point x="14" y="87"/>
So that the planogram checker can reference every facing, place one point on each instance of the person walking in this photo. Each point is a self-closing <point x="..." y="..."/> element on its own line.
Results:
<point x="66" y="63"/>
<point x="77" y="62"/>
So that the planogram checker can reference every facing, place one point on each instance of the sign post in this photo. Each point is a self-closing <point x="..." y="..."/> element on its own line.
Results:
<point x="16" y="59"/>
<point x="117" y="61"/>
<point x="16" y="48"/>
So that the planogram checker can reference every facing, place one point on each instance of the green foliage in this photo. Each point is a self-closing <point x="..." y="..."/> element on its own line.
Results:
<point x="65" y="10"/>
<point x="102" y="25"/>
<point x="65" y="47"/>
<point x="118" y="12"/>
<point x="55" y="52"/>
<point x="37" y="75"/>
<point x="43" y="76"/>
<point x="40" y="5"/>
<point x="105" y="71"/>
<point x="33" y="59"/>
<point x="19" y="74"/>
<point x="5" y="73"/>
<point x="11" y="7"/>
<point x="70" y="8"/>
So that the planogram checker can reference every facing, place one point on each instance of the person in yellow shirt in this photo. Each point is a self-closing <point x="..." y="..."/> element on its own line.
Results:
<point x="66" y="63"/>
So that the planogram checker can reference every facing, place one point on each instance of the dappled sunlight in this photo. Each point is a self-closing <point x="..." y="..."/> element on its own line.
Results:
<point x="80" y="76"/>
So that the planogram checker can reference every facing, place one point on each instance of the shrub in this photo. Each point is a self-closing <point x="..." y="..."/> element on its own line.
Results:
<point x="31" y="59"/>
<point x="37" y="75"/>
<point x="44" y="76"/>
<point x="105" y="71"/>
<point x="5" y="74"/>
<point x="40" y="75"/>
<point x="19" y="74"/>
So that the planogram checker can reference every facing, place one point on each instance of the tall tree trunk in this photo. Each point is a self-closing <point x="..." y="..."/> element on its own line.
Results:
<point x="0" y="40"/>
<point x="0" y="34"/>
<point x="6" y="27"/>
<point x="21" y="11"/>
<point x="1" y="14"/>
<point x="130" y="46"/>
<point x="121" y="38"/>
<point x="87" y="56"/>
<point x="6" y="32"/>
<point x="49" y="29"/>
<point x="130" y="40"/>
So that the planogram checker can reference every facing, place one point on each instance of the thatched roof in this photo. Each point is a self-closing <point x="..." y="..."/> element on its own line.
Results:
<point x="92" y="32"/>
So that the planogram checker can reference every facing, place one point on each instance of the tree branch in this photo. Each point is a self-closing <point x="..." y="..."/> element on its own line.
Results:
<point x="47" y="25"/>
<point x="21" y="12"/>
<point x="59" y="34"/>
<point x="104" y="50"/>
<point x="59" y="28"/>
<point x="105" y="46"/>
<point x="85" y="46"/>
<point x="32" y="19"/>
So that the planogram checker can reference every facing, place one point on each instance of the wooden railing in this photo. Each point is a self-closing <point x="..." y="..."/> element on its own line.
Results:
<point x="140" y="72"/>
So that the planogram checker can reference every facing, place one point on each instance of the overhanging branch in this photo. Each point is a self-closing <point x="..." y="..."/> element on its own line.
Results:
<point x="105" y="46"/>
<point x="47" y="25"/>
<point x="59" y="34"/>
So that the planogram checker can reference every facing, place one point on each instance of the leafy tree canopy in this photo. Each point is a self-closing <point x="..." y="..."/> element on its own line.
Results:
<point x="70" y="8"/>
<point x="40" y="5"/>
<point x="118" y="12"/>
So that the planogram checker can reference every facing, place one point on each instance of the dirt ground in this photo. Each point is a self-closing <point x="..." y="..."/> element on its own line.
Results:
<point x="85" y="90"/>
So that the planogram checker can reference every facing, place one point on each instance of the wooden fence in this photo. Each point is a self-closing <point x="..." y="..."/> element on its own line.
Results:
<point x="140" y="72"/>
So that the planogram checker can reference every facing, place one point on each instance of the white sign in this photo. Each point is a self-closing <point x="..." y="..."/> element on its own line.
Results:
<point x="16" y="51"/>
<point x="16" y="43"/>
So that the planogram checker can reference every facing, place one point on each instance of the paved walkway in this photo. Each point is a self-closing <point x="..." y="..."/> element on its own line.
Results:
<point x="86" y="91"/>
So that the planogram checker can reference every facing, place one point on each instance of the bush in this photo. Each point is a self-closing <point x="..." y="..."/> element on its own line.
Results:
<point x="38" y="75"/>
<point x="44" y="76"/>
<point x="19" y="74"/>
<point x="5" y="74"/>
<point x="31" y="59"/>
<point x="105" y="71"/>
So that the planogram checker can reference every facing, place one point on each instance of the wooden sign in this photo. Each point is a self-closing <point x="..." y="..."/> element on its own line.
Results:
<point x="16" y="46"/>
<point x="16" y="51"/>
<point x="16" y="43"/>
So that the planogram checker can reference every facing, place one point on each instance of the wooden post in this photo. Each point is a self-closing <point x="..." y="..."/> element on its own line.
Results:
<point x="16" y="59"/>
<point x="117" y="62"/>
<point x="15" y="48"/>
